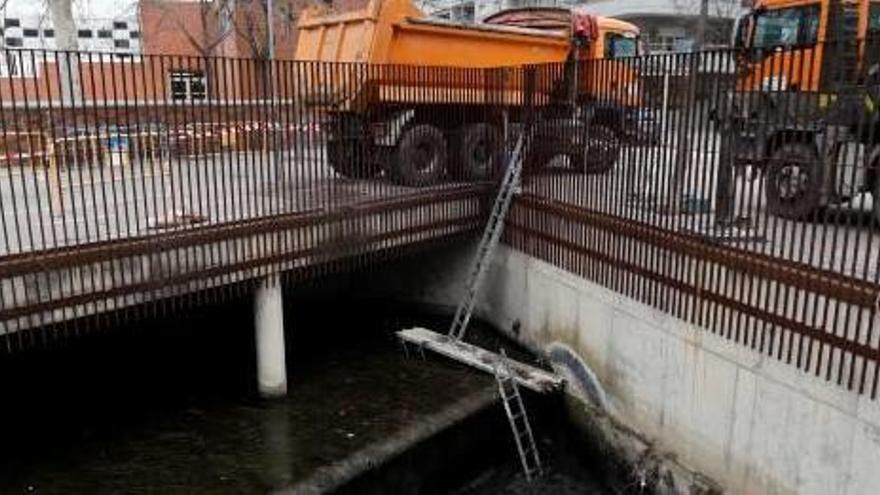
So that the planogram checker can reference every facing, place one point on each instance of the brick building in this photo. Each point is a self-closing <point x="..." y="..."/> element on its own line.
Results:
<point x="162" y="49"/>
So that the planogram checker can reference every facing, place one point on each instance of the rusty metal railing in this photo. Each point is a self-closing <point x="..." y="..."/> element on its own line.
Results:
<point x="136" y="185"/>
<point x="733" y="190"/>
<point x="739" y="196"/>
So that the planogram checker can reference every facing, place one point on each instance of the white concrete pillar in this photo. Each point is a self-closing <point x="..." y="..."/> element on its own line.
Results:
<point x="269" y="327"/>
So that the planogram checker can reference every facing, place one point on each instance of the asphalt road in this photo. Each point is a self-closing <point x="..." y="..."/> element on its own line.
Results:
<point x="101" y="203"/>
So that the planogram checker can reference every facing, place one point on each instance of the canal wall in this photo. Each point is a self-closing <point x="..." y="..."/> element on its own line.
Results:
<point x="689" y="411"/>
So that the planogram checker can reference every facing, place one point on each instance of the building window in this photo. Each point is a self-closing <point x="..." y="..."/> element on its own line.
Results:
<point x="120" y="25"/>
<point x="12" y="67"/>
<point x="84" y="33"/>
<point x="668" y="39"/>
<point x="30" y="33"/>
<point x="12" y="64"/>
<point x="105" y="33"/>
<point x="48" y="33"/>
<point x="121" y="43"/>
<point x="187" y="85"/>
<point x="11" y="23"/>
<point x="14" y="42"/>
<point x="462" y="12"/>
<point x="135" y="35"/>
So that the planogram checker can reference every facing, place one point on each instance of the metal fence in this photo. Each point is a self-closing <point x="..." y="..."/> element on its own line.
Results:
<point x="738" y="194"/>
<point x="733" y="190"/>
<point x="127" y="182"/>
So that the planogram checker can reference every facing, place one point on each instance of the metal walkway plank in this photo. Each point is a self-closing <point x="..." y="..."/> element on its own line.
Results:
<point x="531" y="377"/>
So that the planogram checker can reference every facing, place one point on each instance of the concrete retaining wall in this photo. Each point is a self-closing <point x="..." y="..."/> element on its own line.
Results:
<point x="750" y="423"/>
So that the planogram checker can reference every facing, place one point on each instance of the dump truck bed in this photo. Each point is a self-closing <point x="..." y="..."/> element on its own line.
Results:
<point x="386" y="46"/>
<point x="395" y="32"/>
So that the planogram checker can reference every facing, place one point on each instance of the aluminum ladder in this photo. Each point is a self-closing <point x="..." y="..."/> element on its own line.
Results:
<point x="489" y="240"/>
<point x="519" y="420"/>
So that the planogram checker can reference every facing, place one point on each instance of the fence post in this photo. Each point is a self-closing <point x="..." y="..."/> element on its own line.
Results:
<point x="724" y="179"/>
<point x="683" y="155"/>
<point x="55" y="192"/>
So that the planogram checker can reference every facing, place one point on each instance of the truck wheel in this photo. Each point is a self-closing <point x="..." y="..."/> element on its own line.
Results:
<point x="349" y="150"/>
<point x="794" y="181"/>
<point x="352" y="158"/>
<point x="552" y="138"/>
<point x="420" y="156"/>
<point x="474" y="152"/>
<point x="600" y="151"/>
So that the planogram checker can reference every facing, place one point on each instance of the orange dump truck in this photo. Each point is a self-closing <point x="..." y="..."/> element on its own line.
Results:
<point x="422" y="99"/>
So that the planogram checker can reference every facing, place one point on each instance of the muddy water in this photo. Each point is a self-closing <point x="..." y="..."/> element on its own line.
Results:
<point x="170" y="407"/>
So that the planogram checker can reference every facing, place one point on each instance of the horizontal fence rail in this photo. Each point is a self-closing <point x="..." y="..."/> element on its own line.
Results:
<point x="733" y="189"/>
<point x="127" y="182"/>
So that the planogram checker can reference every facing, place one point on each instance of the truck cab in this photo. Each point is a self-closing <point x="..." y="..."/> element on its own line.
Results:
<point x="803" y="45"/>
<point x="804" y="106"/>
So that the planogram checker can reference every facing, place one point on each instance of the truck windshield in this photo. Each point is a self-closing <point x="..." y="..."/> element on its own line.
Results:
<point x="786" y="27"/>
<point x="874" y="17"/>
<point x="620" y="45"/>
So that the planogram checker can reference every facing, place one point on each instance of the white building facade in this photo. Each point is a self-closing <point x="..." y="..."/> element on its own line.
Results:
<point x="477" y="10"/>
<point x="667" y="25"/>
<point x="104" y="26"/>
<point x="670" y="25"/>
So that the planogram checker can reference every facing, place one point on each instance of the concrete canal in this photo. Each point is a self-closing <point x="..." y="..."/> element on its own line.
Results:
<point x="172" y="407"/>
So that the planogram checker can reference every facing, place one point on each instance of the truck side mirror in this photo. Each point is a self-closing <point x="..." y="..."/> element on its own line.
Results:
<point x="741" y="30"/>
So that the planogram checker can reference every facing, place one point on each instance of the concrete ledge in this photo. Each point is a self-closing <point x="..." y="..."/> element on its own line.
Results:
<point x="755" y="424"/>
<point x="335" y="476"/>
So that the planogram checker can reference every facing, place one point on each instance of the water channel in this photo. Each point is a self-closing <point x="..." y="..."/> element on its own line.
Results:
<point x="170" y="406"/>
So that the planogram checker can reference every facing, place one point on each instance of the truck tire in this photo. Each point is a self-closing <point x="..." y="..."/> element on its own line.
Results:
<point x="599" y="152"/>
<point x="552" y="138"/>
<point x="794" y="181"/>
<point x="349" y="150"/>
<point x="352" y="159"/>
<point x="475" y="152"/>
<point x="419" y="157"/>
